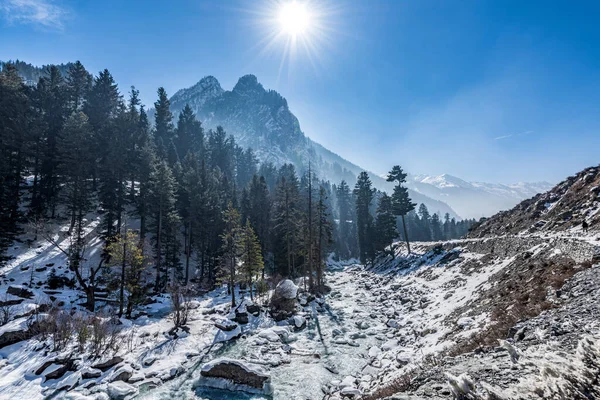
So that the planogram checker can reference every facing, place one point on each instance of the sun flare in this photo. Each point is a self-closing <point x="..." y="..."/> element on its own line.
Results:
<point x="294" y="18"/>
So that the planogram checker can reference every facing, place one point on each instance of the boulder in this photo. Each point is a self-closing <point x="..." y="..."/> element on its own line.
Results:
<point x="283" y="302"/>
<point x="16" y="331"/>
<point x="297" y="322"/>
<point x="119" y="390"/>
<point x="227" y="373"/>
<point x="108" y="364"/>
<point x="253" y="309"/>
<point x="225" y="324"/>
<point x="56" y="370"/>
<point x="121" y="374"/>
<point x="90" y="373"/>
<point x="241" y="317"/>
<point x="19" y="291"/>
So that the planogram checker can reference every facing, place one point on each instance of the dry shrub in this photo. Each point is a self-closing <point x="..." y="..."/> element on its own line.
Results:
<point x="520" y="294"/>
<point x="105" y="337"/>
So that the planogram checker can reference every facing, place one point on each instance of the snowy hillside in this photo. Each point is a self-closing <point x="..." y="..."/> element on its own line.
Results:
<point x="474" y="199"/>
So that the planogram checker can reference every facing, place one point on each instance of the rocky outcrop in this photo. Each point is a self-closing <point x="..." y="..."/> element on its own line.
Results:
<point x="233" y="374"/>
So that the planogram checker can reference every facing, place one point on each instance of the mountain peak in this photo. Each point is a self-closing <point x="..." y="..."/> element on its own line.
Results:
<point x="208" y="82"/>
<point x="248" y="83"/>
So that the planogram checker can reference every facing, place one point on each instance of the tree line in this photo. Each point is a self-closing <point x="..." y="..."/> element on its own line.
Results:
<point x="206" y="210"/>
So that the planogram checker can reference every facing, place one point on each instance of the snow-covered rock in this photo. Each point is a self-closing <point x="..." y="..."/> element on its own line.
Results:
<point x="235" y="375"/>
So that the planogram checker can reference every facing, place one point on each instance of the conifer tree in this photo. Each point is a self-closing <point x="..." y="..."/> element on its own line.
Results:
<point x="400" y="199"/>
<point x="250" y="256"/>
<point x="385" y="224"/>
<point x="75" y="150"/>
<point x="163" y="123"/>
<point x="230" y="248"/>
<point x="190" y="135"/>
<point x="162" y="191"/>
<point x="364" y="192"/>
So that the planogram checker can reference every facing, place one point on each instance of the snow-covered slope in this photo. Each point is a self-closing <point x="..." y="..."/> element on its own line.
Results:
<point x="474" y="199"/>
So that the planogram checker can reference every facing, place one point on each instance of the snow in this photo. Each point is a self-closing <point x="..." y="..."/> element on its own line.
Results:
<point x="287" y="289"/>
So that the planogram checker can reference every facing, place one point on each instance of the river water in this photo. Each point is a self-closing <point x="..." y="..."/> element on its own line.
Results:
<point x="331" y="348"/>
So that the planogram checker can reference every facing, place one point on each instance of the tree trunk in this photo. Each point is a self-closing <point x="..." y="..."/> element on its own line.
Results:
<point x="158" y="246"/>
<point x="122" y="292"/>
<point x="405" y="234"/>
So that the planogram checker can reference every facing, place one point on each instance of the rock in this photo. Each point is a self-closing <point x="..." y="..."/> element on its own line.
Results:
<point x="69" y="382"/>
<point x="283" y="302"/>
<point x="90" y="373"/>
<point x="350" y="392"/>
<point x="56" y="371"/>
<point x="225" y="324"/>
<point x="119" y="390"/>
<point x="241" y="317"/>
<point x="298" y="322"/>
<point x="19" y="329"/>
<point x="286" y="289"/>
<point x="227" y="374"/>
<point x="148" y="361"/>
<point x="108" y="364"/>
<point x="121" y="374"/>
<point x="19" y="291"/>
<point x="253" y="309"/>
<point x="274" y="334"/>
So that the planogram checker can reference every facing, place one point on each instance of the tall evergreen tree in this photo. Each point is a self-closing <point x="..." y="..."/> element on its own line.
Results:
<point x="250" y="255"/>
<point x="364" y="192"/>
<point x="400" y="199"/>
<point x="163" y="123"/>
<point x="385" y="224"/>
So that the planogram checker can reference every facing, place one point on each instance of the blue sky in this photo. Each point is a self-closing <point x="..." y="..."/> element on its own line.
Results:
<point x="497" y="91"/>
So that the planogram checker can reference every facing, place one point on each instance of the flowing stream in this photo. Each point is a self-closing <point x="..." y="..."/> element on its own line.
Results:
<point x="335" y="344"/>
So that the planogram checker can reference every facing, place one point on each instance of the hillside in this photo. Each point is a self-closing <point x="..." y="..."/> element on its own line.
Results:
<point x="562" y="209"/>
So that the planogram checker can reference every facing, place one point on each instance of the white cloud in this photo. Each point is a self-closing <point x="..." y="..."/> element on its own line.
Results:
<point x="513" y="135"/>
<point x="36" y="12"/>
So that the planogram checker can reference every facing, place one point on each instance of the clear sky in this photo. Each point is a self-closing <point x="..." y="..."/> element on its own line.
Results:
<point x="496" y="91"/>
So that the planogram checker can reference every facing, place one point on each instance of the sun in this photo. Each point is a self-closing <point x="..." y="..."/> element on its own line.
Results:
<point x="294" y="18"/>
<point x="297" y="32"/>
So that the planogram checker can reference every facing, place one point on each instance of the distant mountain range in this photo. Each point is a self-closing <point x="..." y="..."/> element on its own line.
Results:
<point x="261" y="119"/>
<point x="474" y="199"/>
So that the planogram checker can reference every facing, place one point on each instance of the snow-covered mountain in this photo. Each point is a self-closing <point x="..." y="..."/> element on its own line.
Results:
<point x="474" y="199"/>
<point x="261" y="119"/>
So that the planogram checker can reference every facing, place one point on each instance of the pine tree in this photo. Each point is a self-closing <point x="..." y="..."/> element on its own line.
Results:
<point x="250" y="256"/>
<point x="400" y="199"/>
<point x="385" y="224"/>
<point x="324" y="236"/>
<point x="286" y="221"/>
<point x="54" y="103"/>
<point x="75" y="150"/>
<point x="162" y="191"/>
<point x="346" y="238"/>
<point x="79" y="84"/>
<point x="425" y="223"/>
<point x="163" y="123"/>
<point x="190" y="135"/>
<point x="231" y="239"/>
<point x="436" y="228"/>
<point x="364" y="192"/>
<point x="14" y="117"/>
